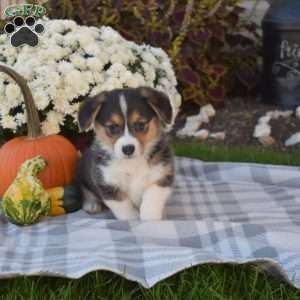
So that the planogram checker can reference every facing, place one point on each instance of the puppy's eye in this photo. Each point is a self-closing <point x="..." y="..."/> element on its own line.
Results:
<point x="139" y="126"/>
<point x="113" y="129"/>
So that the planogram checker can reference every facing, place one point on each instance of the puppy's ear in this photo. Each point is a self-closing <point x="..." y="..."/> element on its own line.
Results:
<point x="89" y="110"/>
<point x="159" y="102"/>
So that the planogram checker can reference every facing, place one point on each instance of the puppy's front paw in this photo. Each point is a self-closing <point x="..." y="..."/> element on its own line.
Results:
<point x="123" y="210"/>
<point x="92" y="207"/>
<point x="128" y="216"/>
<point x="153" y="203"/>
<point x="151" y="215"/>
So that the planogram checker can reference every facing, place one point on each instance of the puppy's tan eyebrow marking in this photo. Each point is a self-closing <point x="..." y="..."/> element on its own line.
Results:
<point x="116" y="118"/>
<point x="103" y="137"/>
<point x="135" y="116"/>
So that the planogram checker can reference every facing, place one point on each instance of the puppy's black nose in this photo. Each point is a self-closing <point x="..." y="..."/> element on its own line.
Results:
<point x="128" y="149"/>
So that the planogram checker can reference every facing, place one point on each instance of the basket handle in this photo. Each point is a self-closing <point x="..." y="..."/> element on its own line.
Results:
<point x="33" y="120"/>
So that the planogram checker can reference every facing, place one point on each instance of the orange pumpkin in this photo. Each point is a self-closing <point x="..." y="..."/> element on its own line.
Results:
<point x="60" y="154"/>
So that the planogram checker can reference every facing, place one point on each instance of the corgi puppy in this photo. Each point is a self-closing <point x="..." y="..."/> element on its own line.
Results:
<point x="129" y="166"/>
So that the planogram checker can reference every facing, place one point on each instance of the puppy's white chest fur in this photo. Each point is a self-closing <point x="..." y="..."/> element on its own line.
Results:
<point x="132" y="176"/>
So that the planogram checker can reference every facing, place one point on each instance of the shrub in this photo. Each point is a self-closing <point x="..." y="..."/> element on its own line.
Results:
<point x="213" y="51"/>
<point x="70" y="63"/>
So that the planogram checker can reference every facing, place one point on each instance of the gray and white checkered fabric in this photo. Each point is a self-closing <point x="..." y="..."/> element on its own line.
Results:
<point x="220" y="212"/>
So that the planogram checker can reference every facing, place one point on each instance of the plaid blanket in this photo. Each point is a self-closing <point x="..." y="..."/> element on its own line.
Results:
<point x="219" y="213"/>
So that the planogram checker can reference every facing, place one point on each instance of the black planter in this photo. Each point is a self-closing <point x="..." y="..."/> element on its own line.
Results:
<point x="281" y="54"/>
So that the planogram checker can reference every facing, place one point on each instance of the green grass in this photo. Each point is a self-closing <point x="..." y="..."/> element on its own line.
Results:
<point x="202" y="282"/>
<point x="208" y="152"/>
<point x="199" y="283"/>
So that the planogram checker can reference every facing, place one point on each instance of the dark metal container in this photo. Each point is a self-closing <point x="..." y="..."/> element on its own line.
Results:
<point x="281" y="54"/>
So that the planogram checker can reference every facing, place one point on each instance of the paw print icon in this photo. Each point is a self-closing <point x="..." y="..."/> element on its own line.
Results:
<point x="24" y="31"/>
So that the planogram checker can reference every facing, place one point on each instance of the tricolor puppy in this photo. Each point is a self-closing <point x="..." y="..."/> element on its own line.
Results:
<point x="129" y="167"/>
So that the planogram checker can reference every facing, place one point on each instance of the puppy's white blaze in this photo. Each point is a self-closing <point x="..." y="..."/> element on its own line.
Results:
<point x="123" y="210"/>
<point x="153" y="202"/>
<point x="123" y="106"/>
<point x="126" y="138"/>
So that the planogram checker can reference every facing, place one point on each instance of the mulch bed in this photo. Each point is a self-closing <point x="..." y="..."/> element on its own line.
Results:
<point x="238" y="119"/>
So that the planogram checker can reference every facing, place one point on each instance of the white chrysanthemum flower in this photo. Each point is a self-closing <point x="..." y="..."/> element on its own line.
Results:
<point x="70" y="25"/>
<point x="121" y="55"/>
<point x="73" y="78"/>
<point x="43" y="55"/>
<point x="36" y="84"/>
<point x="58" y="38"/>
<point x="150" y="58"/>
<point x="2" y="89"/>
<point x="125" y="76"/>
<point x="8" y="121"/>
<point x="72" y="61"/>
<point x="65" y="67"/>
<point x="56" y="52"/>
<point x="13" y="102"/>
<point x="56" y="27"/>
<point x="92" y="49"/>
<point x="165" y="83"/>
<point x="78" y="61"/>
<point x="50" y="127"/>
<point x="110" y="36"/>
<point x="60" y="102"/>
<point x="149" y="72"/>
<point x="159" y="53"/>
<point x="20" y="119"/>
<point x="82" y="88"/>
<point x="4" y="109"/>
<point x="85" y="39"/>
<point x="26" y="72"/>
<point x="140" y="79"/>
<point x="55" y="117"/>
<point x="97" y="90"/>
<point x="3" y="38"/>
<point x="98" y="78"/>
<point x="70" y="41"/>
<point x="112" y="83"/>
<point x="105" y="57"/>
<point x="11" y="51"/>
<point x="13" y="92"/>
<point x="94" y="64"/>
<point x="132" y="82"/>
<point x="53" y="92"/>
<point x="54" y="78"/>
<point x="116" y="69"/>
<point x="88" y="77"/>
<point x="41" y="99"/>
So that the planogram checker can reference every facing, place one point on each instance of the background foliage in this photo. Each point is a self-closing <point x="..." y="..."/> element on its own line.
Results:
<point x="213" y="50"/>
